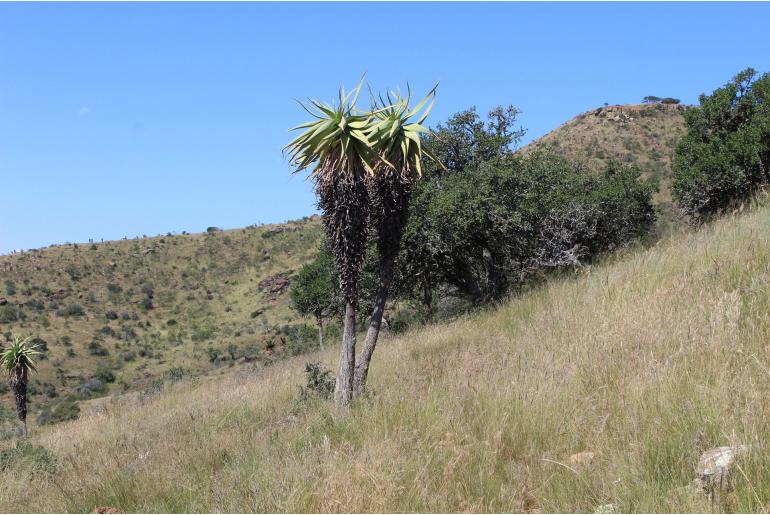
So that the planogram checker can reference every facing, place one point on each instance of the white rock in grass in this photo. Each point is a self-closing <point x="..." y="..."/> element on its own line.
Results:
<point x="714" y="465"/>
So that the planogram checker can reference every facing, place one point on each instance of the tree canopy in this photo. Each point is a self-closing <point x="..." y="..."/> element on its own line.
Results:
<point x="725" y="155"/>
<point x="315" y="291"/>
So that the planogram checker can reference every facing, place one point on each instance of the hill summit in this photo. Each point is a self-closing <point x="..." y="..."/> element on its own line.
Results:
<point x="642" y="135"/>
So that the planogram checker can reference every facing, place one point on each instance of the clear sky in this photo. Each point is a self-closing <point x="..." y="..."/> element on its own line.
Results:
<point x="129" y="119"/>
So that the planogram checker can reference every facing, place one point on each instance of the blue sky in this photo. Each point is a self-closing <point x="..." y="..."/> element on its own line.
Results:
<point x="129" y="119"/>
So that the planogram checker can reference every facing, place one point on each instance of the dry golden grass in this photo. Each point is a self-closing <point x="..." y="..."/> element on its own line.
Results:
<point x="646" y="361"/>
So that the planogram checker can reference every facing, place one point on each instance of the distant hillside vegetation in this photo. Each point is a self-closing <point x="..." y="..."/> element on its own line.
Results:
<point x="123" y="315"/>
<point x="644" y="135"/>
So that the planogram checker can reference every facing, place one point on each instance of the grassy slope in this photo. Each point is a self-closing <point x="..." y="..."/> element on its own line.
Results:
<point x="643" y="135"/>
<point x="647" y="361"/>
<point x="207" y="283"/>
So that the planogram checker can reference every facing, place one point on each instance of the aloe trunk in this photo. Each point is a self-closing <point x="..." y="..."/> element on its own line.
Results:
<point x="18" y="383"/>
<point x="375" y="324"/>
<point x="343" y="391"/>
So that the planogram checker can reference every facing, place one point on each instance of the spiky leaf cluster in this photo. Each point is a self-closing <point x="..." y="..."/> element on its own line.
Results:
<point x="365" y="165"/>
<point x="336" y="143"/>
<point x="396" y="138"/>
<point x="19" y="355"/>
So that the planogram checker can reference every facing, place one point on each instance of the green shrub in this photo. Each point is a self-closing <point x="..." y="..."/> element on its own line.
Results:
<point x="71" y="310"/>
<point x="95" y="348"/>
<point x="301" y="338"/>
<point x="10" y="313"/>
<point x="725" y="155"/>
<point x="49" y="390"/>
<point x="104" y="373"/>
<point x="73" y="272"/>
<point x="319" y="383"/>
<point x="176" y="373"/>
<point x="91" y="387"/>
<point x="106" y="331"/>
<point x="10" y="287"/>
<point x="42" y="346"/>
<point x="476" y="233"/>
<point x="37" y="458"/>
<point x="58" y="411"/>
<point x="127" y="333"/>
<point x="35" y="304"/>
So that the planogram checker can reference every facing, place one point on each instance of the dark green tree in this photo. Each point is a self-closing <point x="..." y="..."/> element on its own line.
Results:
<point x="445" y="234"/>
<point x="315" y="291"/>
<point x="725" y="155"/>
<point x="496" y="218"/>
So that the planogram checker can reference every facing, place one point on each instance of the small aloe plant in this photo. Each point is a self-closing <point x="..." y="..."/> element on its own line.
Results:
<point x="17" y="360"/>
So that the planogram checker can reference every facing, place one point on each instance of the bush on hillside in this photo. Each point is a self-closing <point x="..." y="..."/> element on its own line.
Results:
<point x="39" y="459"/>
<point x="104" y="373"/>
<point x="10" y="313"/>
<point x="71" y="310"/>
<point x="725" y="155"/>
<point x="91" y="387"/>
<point x="95" y="348"/>
<point x="10" y="287"/>
<point x="485" y="226"/>
<point x="58" y="411"/>
<point x="319" y="383"/>
<point x="73" y="272"/>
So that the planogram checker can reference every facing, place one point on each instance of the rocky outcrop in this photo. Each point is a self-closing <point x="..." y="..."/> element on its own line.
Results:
<point x="274" y="286"/>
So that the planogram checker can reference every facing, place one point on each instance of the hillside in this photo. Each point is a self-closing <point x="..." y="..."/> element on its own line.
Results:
<point x="123" y="315"/>
<point x="643" y="135"/>
<point x="646" y="361"/>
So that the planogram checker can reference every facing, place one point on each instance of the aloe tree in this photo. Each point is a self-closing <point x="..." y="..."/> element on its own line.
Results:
<point x="335" y="143"/>
<point x="17" y="361"/>
<point x="396" y="137"/>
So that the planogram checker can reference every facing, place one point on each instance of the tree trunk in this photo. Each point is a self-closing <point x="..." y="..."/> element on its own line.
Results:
<point x="320" y="322"/>
<point x="362" y="363"/>
<point x="343" y="390"/>
<point x="19" y="386"/>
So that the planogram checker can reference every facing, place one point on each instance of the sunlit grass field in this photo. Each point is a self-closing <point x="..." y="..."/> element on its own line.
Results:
<point x="646" y="360"/>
